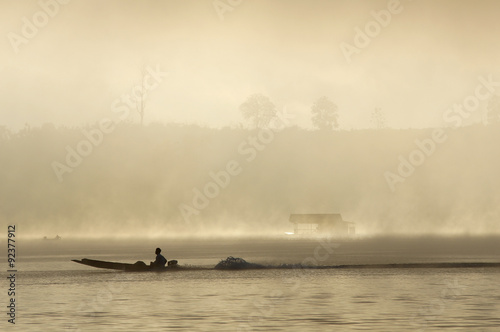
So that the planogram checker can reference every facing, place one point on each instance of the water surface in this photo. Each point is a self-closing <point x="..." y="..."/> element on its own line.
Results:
<point x="55" y="294"/>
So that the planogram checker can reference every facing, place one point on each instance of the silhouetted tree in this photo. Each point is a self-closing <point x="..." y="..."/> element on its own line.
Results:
<point x="259" y="110"/>
<point x="378" y="119"/>
<point x="324" y="114"/>
<point x="5" y="133"/>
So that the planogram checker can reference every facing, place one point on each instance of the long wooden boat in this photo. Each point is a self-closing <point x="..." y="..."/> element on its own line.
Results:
<point x="136" y="267"/>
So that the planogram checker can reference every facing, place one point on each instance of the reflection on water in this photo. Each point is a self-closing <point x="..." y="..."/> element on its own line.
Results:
<point x="261" y="300"/>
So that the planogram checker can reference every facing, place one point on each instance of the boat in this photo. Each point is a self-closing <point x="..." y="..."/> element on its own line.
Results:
<point x="57" y="237"/>
<point x="136" y="267"/>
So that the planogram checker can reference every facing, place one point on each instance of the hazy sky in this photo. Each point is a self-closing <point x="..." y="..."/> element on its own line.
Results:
<point x="91" y="52"/>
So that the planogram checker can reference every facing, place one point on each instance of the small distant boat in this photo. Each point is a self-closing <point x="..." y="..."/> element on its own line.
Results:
<point x="57" y="237"/>
<point x="139" y="266"/>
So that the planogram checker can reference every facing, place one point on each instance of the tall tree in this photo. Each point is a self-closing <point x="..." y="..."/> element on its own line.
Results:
<point x="324" y="114"/>
<point x="378" y="119"/>
<point x="5" y="133"/>
<point x="259" y="110"/>
<point x="493" y="109"/>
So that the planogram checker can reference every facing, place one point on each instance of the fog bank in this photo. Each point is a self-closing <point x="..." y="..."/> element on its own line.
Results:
<point x="164" y="180"/>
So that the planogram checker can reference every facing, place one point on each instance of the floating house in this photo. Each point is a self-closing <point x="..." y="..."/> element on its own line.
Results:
<point x="328" y="224"/>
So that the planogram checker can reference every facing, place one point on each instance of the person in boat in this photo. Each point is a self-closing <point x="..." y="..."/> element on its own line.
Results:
<point x="160" y="260"/>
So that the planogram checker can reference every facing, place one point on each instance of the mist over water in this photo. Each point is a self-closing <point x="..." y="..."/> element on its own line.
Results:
<point x="172" y="180"/>
<point x="207" y="252"/>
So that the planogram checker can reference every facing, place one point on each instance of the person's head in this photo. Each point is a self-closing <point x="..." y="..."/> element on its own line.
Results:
<point x="158" y="250"/>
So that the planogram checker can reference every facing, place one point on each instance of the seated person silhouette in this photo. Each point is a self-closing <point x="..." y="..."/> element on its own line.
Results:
<point x="160" y="260"/>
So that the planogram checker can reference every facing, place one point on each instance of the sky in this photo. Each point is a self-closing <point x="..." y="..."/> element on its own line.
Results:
<point x="212" y="55"/>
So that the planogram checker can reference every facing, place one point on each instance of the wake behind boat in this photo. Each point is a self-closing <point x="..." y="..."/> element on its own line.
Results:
<point x="136" y="267"/>
<point x="231" y="263"/>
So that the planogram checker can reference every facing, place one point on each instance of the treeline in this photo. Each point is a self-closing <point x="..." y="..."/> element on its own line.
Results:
<point x="109" y="179"/>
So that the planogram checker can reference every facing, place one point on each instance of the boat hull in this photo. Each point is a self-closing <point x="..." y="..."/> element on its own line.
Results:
<point x="136" y="267"/>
